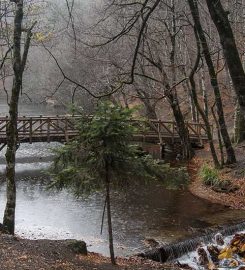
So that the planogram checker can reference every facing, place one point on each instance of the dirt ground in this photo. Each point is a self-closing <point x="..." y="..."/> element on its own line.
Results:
<point x="21" y="254"/>
<point x="234" y="173"/>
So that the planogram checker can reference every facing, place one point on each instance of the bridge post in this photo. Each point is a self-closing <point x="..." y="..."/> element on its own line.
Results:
<point x="48" y="130"/>
<point x="30" y="131"/>
<point x="66" y="130"/>
<point x="41" y="127"/>
<point x="173" y="133"/>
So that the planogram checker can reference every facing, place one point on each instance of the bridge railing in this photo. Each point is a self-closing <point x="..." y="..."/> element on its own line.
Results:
<point x="50" y="128"/>
<point x="169" y="129"/>
<point x="42" y="127"/>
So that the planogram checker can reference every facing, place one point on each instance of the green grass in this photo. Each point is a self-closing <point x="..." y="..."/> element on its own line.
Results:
<point x="209" y="175"/>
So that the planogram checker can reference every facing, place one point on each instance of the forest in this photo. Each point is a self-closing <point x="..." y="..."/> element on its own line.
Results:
<point x="167" y="74"/>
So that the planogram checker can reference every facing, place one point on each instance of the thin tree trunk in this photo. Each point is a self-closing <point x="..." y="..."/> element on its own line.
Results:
<point x="206" y="122"/>
<point x="198" y="106"/>
<point x="194" y="113"/>
<point x="108" y="205"/>
<point x="11" y="130"/>
<point x="150" y="110"/>
<point x="222" y="158"/>
<point x="204" y="93"/>
<point x="231" y="158"/>
<point x="9" y="214"/>
<point x="239" y="125"/>
<point x="182" y="129"/>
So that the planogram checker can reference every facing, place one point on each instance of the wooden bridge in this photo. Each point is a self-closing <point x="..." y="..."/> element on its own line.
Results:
<point x="62" y="129"/>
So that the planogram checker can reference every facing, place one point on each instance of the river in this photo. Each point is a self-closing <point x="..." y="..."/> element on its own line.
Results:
<point x="144" y="211"/>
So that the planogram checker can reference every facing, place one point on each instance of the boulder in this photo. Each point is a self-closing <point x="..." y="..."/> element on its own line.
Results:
<point x="202" y="256"/>
<point x="219" y="239"/>
<point x="214" y="253"/>
<point x="78" y="247"/>
<point x="150" y="243"/>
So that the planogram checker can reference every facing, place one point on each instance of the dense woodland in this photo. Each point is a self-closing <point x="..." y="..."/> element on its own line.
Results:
<point x="180" y="60"/>
<point x="133" y="53"/>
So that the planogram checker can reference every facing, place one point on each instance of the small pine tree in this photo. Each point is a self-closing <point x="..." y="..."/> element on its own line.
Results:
<point x="101" y="156"/>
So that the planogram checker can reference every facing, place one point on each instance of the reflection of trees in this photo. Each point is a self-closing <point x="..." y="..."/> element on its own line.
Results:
<point x="34" y="186"/>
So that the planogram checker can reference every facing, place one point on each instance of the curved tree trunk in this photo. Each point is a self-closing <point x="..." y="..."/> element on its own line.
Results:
<point x="19" y="63"/>
<point x="171" y="93"/>
<point x="194" y="112"/>
<point x="198" y="106"/>
<point x="187" y="151"/>
<point x="231" y="158"/>
<point x="239" y="125"/>
<point x="9" y="214"/>
<point x="108" y="205"/>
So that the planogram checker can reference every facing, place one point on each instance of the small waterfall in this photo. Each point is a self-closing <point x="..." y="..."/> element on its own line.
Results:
<point x="173" y="251"/>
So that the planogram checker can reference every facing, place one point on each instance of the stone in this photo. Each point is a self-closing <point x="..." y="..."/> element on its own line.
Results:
<point x="150" y="242"/>
<point x="219" y="239"/>
<point x="202" y="256"/>
<point x="214" y="253"/>
<point x="79" y="247"/>
<point x="184" y="266"/>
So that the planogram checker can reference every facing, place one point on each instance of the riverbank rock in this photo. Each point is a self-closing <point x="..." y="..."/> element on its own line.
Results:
<point x="238" y="244"/>
<point x="78" y="247"/>
<point x="219" y="240"/>
<point x="202" y="256"/>
<point x="150" y="243"/>
<point x="184" y="266"/>
<point x="225" y="186"/>
<point x="214" y="253"/>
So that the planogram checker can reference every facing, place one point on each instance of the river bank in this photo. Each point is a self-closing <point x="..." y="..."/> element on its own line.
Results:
<point x="22" y="254"/>
<point x="234" y="173"/>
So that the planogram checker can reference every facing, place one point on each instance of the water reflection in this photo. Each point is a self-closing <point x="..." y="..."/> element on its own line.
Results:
<point x="143" y="212"/>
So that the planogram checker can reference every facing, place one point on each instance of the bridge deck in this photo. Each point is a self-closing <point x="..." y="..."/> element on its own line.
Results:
<point x="62" y="129"/>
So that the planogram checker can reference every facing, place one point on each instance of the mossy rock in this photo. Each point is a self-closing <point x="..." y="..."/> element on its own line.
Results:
<point x="225" y="186"/>
<point x="78" y="247"/>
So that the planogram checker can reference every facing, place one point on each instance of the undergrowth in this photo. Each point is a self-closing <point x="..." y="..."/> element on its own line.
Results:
<point x="209" y="175"/>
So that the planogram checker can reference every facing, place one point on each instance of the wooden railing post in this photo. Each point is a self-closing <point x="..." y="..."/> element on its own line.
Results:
<point x="30" y="131"/>
<point x="48" y="130"/>
<point x="173" y="132"/>
<point x="41" y="127"/>
<point x="24" y="125"/>
<point x="158" y="128"/>
<point x="66" y="130"/>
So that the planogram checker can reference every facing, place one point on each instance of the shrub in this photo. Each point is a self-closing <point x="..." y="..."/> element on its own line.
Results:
<point x="209" y="175"/>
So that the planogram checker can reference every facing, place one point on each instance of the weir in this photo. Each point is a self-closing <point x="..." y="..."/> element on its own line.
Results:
<point x="174" y="251"/>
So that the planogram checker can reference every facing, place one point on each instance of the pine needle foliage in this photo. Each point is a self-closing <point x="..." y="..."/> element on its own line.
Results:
<point x="103" y="139"/>
<point x="101" y="156"/>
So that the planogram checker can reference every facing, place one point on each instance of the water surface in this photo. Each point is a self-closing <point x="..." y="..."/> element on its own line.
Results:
<point x="144" y="211"/>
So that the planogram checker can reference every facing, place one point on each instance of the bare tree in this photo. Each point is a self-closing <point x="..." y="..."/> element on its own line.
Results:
<point x="19" y="62"/>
